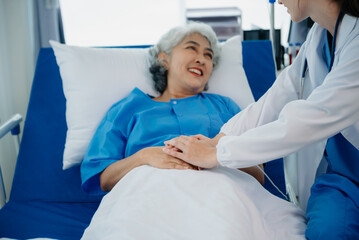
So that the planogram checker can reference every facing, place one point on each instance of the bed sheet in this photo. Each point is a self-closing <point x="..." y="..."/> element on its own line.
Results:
<point x="220" y="203"/>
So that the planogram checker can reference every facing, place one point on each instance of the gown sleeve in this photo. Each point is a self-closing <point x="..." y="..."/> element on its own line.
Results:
<point x="107" y="145"/>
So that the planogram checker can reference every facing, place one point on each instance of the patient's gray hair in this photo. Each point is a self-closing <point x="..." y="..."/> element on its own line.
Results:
<point x="170" y="40"/>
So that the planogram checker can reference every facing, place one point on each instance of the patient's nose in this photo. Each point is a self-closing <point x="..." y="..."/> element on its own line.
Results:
<point x="200" y="59"/>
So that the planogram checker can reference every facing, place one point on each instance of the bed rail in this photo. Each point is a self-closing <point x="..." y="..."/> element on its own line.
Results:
<point x="13" y="126"/>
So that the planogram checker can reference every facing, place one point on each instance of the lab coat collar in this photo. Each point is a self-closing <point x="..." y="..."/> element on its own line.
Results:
<point x="314" y="56"/>
<point x="347" y="26"/>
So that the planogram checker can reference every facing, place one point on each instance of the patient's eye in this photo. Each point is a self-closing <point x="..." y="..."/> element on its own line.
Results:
<point x="209" y="55"/>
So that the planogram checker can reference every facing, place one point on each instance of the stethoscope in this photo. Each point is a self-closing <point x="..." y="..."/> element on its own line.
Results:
<point x="332" y="55"/>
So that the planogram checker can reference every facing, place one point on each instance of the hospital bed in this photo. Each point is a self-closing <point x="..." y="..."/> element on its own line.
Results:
<point x="47" y="201"/>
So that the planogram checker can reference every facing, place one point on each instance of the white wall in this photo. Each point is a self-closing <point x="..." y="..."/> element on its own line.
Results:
<point x="17" y="62"/>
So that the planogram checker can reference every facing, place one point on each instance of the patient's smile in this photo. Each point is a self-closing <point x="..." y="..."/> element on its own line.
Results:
<point x="196" y="71"/>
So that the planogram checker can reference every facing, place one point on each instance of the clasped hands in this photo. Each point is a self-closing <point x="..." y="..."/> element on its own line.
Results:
<point x="197" y="150"/>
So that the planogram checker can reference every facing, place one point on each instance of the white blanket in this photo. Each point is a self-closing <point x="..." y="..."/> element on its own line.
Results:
<point x="221" y="203"/>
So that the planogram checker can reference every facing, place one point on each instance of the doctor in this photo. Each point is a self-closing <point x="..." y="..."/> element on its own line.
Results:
<point x="312" y="109"/>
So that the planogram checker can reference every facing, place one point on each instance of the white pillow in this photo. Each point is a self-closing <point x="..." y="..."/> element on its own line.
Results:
<point x="96" y="78"/>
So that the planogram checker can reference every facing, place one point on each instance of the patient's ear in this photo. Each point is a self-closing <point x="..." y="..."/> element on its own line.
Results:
<point x="162" y="58"/>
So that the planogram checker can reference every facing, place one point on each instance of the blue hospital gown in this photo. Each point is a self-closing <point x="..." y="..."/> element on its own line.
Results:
<point x="137" y="122"/>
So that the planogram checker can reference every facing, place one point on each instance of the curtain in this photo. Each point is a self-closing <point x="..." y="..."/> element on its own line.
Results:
<point x="47" y="23"/>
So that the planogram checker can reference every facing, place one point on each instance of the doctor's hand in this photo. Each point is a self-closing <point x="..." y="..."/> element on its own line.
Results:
<point x="155" y="157"/>
<point x="197" y="150"/>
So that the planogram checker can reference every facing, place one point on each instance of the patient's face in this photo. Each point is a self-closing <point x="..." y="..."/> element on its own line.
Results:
<point x="190" y="64"/>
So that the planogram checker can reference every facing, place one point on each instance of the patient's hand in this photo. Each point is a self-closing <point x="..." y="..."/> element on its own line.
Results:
<point x="197" y="150"/>
<point x="155" y="157"/>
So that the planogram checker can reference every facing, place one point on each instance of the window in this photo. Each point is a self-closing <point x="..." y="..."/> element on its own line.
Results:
<point x="142" y="22"/>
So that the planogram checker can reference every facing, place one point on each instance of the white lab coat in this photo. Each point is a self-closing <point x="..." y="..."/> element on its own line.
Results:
<point x="280" y="123"/>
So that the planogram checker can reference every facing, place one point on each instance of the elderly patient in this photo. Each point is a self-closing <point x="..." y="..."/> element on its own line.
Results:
<point x="134" y="130"/>
<point x="152" y="203"/>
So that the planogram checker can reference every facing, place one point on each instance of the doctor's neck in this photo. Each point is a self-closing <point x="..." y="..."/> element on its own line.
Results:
<point x="325" y="13"/>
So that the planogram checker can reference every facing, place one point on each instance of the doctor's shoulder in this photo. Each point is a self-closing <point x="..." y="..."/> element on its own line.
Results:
<point x="351" y="45"/>
<point x="348" y="51"/>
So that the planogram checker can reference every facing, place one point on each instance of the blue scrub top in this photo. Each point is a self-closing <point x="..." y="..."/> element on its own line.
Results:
<point x="137" y="122"/>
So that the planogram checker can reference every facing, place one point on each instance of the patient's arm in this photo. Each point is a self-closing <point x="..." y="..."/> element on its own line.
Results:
<point x="153" y="156"/>
<point x="255" y="172"/>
